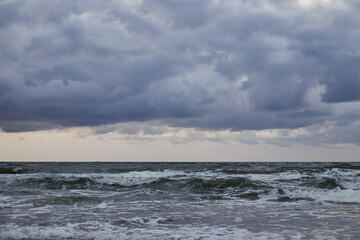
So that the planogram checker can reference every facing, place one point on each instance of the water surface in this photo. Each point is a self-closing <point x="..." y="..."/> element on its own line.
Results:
<point x="179" y="200"/>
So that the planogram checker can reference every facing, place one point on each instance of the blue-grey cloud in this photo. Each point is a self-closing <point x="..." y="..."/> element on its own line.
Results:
<point x="239" y="65"/>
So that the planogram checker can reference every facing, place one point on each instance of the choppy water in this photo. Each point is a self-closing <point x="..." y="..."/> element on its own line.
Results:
<point x="179" y="200"/>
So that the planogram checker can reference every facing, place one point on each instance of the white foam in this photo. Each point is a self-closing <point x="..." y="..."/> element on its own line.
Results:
<point x="134" y="177"/>
<point x="96" y="230"/>
<point x="102" y="205"/>
<point x="4" y="199"/>
<point x="335" y="195"/>
<point x="288" y="175"/>
<point x="341" y="196"/>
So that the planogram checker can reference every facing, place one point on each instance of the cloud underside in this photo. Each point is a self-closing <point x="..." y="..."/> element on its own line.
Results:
<point x="211" y="65"/>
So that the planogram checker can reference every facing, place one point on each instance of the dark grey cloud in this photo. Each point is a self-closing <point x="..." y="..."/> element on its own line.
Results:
<point x="9" y="12"/>
<point x="239" y="65"/>
<point x="182" y="14"/>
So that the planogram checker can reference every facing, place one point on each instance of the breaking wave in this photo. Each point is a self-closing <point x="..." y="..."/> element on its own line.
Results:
<point x="335" y="185"/>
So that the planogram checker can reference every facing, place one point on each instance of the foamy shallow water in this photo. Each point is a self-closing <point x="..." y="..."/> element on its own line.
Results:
<point x="179" y="201"/>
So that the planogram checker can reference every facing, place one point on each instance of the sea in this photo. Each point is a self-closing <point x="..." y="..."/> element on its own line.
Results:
<point x="179" y="200"/>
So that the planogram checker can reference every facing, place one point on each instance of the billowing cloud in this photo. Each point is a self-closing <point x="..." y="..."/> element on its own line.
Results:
<point x="211" y="65"/>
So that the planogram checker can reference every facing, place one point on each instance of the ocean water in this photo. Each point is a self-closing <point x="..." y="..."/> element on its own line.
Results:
<point x="179" y="200"/>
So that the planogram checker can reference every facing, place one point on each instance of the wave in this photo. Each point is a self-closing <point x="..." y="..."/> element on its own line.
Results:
<point x="219" y="184"/>
<point x="10" y="170"/>
<point x="69" y="180"/>
<point x="157" y="180"/>
<point x="56" y="183"/>
<point x="328" y="183"/>
<point x="291" y="185"/>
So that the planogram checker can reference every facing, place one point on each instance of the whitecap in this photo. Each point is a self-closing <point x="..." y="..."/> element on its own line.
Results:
<point x="102" y="205"/>
<point x="335" y="195"/>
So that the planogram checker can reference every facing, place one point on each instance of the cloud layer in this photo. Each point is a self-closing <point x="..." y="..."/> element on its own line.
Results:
<point x="214" y="65"/>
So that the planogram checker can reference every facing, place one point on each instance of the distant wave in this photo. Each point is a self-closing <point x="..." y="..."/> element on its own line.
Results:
<point x="9" y="170"/>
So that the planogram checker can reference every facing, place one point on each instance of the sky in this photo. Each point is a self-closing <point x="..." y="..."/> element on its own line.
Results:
<point x="180" y="80"/>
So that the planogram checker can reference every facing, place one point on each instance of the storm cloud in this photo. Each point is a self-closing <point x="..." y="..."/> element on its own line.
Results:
<point x="214" y="65"/>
